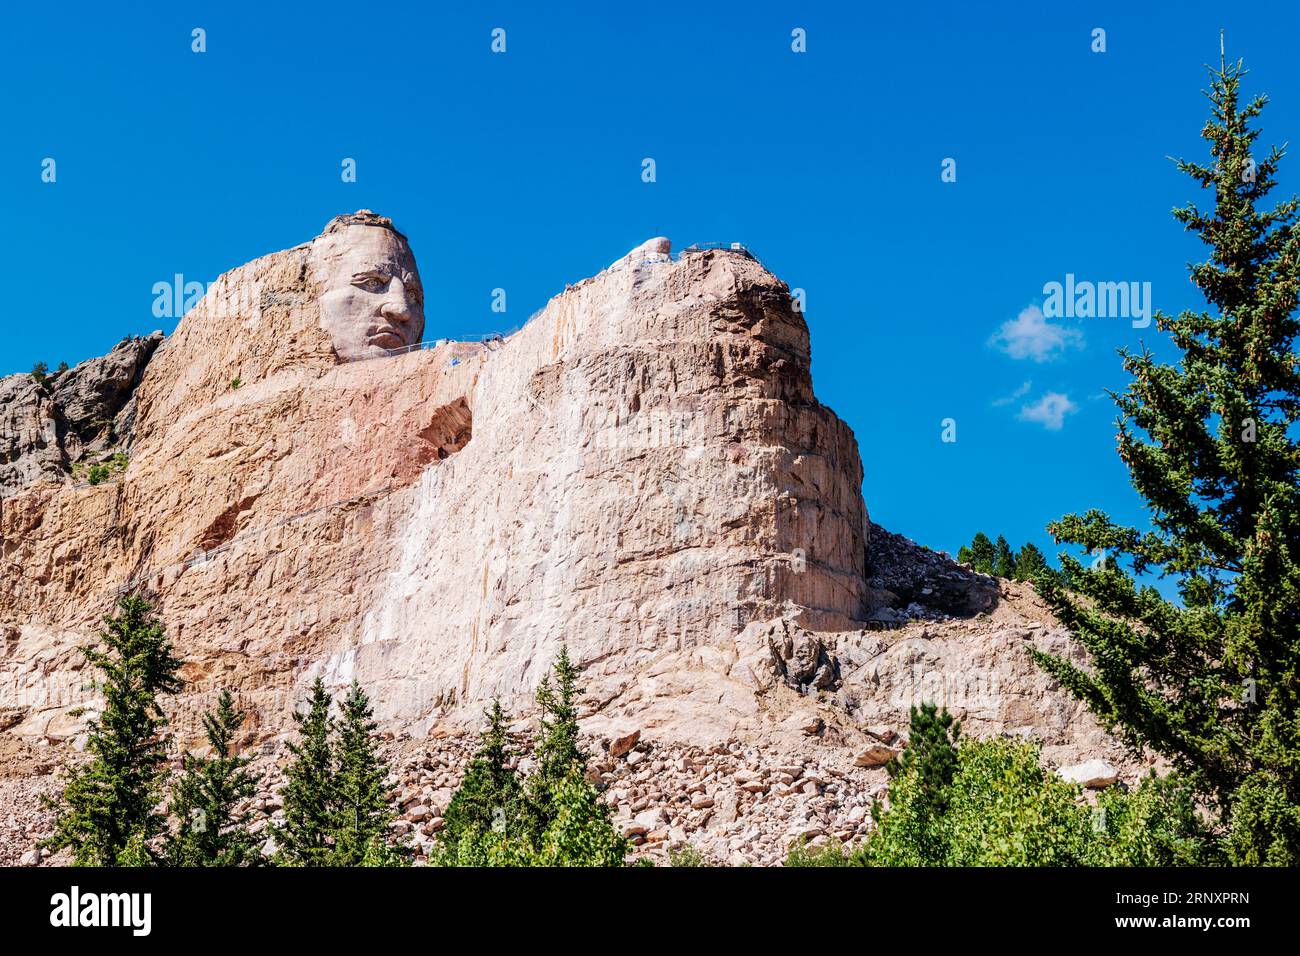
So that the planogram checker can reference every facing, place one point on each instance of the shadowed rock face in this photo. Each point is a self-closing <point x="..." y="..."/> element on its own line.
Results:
<point x="47" y="428"/>
<point x="642" y="472"/>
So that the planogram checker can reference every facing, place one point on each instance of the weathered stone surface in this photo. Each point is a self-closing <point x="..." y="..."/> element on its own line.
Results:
<point x="620" y="746"/>
<point x="92" y="396"/>
<point x="1093" y="774"/>
<point x="30" y="426"/>
<point x="642" y="472"/>
<point x="46" y="428"/>
<point x="631" y="473"/>
<point x="875" y="755"/>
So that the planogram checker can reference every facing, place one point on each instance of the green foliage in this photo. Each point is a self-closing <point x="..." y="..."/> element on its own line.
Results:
<point x="1030" y="563"/>
<point x="107" y="813"/>
<point x="928" y="762"/>
<point x="309" y="790"/>
<point x="362" y="812"/>
<point x="1004" y="559"/>
<point x="235" y="383"/>
<point x="685" y="856"/>
<point x="41" y="374"/>
<point x="111" y="467"/>
<point x="580" y="832"/>
<point x="557" y="752"/>
<point x="553" y="818"/>
<point x="337" y="805"/>
<point x="832" y="854"/>
<point x="1154" y="825"/>
<point x="980" y="555"/>
<point x="1212" y="683"/>
<point x="1000" y="808"/>
<point x="489" y="794"/>
<point x="209" y="828"/>
<point x="1001" y="560"/>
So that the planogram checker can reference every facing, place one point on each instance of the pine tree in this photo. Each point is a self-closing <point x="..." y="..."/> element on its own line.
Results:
<point x="210" y="830"/>
<point x="107" y="814"/>
<point x="556" y="818"/>
<point x="931" y="752"/>
<point x="489" y="793"/>
<point x="1004" y="559"/>
<point x="1030" y="563"/>
<point x="979" y="555"/>
<point x="558" y="752"/>
<point x="920" y="778"/>
<point x="308" y="793"/>
<point x="1211" y="683"/>
<point x="363" y="810"/>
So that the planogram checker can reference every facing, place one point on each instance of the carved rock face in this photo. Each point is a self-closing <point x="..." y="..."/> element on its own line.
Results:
<point x="371" y="299"/>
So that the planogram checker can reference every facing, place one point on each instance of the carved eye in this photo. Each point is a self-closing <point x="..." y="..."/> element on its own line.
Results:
<point x="371" y="282"/>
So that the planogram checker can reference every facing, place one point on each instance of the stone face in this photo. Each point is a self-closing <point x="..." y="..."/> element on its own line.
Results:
<point x="369" y="290"/>
<point x="642" y="472"/>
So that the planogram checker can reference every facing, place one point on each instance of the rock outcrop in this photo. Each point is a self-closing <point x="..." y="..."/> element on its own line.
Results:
<point x="49" y="426"/>
<point x="642" y="472"/>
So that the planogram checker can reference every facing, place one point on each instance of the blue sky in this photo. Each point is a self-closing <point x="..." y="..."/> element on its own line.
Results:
<point x="523" y="171"/>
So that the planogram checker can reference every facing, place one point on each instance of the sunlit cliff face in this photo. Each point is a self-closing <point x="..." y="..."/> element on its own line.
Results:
<point x="371" y="299"/>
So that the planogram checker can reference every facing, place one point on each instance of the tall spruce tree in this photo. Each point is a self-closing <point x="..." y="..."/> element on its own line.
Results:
<point x="363" y="802"/>
<point x="304" y="839"/>
<point x="558" y="753"/>
<point x="979" y="555"/>
<point x="1030" y="563"/>
<point x="1212" y="683"/>
<point x="210" y="829"/>
<point x="924" y="772"/>
<point x="489" y="793"/>
<point x="1004" y="559"/>
<point x="108" y="811"/>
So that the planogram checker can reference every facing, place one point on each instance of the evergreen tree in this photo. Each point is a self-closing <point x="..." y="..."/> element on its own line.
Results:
<point x="489" y="793"/>
<point x="107" y="814"/>
<point x="308" y="793"/>
<point x="558" y="752"/>
<point x="931" y="752"/>
<point x="1030" y="563"/>
<point x="580" y="832"/>
<point x="1212" y="683"/>
<point x="210" y="829"/>
<point x="924" y="770"/>
<point x="1004" y="559"/>
<point x="363" y="803"/>
<point x="979" y="555"/>
<point x="560" y="820"/>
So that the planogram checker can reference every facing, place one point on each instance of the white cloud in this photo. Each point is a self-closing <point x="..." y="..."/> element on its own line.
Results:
<point x="1029" y="335"/>
<point x="1021" y="392"/>
<point x="1049" y="411"/>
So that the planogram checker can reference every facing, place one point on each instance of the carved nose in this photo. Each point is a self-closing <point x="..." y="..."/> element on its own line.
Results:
<point x="396" y="306"/>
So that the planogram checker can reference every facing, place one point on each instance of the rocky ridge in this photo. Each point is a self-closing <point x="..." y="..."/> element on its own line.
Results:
<point x="75" y="417"/>
<point x="642" y="472"/>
